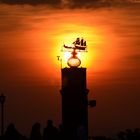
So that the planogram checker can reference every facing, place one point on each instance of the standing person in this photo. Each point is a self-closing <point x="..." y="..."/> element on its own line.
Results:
<point x="50" y="132"/>
<point x="12" y="133"/>
<point x="35" y="132"/>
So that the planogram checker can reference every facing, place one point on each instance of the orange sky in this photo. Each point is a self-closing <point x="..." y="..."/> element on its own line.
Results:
<point x="30" y="40"/>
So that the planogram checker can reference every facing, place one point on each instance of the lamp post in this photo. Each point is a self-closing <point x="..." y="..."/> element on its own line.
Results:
<point x="2" y="100"/>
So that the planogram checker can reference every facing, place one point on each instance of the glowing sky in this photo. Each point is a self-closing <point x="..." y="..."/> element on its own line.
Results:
<point x="30" y="39"/>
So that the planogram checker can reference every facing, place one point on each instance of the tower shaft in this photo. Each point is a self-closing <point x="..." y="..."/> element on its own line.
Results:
<point x="74" y="102"/>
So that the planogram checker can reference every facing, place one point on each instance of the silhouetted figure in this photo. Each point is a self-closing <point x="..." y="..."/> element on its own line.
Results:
<point x="50" y="132"/>
<point x="121" y="135"/>
<point x="137" y="134"/>
<point x="129" y="134"/>
<point x="11" y="133"/>
<point x="35" y="132"/>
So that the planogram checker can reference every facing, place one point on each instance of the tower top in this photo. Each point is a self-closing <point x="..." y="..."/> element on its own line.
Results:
<point x="79" y="45"/>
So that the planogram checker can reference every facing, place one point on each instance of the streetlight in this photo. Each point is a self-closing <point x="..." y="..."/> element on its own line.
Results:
<point x="2" y="100"/>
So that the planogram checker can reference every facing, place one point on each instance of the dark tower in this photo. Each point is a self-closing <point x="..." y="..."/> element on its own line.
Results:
<point x="74" y="101"/>
<point x="74" y="97"/>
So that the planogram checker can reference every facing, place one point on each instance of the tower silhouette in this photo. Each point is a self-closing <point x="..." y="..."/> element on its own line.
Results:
<point x="74" y="98"/>
<point x="74" y="101"/>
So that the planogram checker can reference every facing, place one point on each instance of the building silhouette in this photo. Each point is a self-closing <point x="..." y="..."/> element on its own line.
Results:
<point x="74" y="95"/>
<point x="74" y="102"/>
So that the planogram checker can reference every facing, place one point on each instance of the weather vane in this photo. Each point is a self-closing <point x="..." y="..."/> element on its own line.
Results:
<point x="78" y="46"/>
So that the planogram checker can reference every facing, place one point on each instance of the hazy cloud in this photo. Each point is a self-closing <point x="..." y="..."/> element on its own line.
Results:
<point x="97" y="3"/>
<point x="32" y="2"/>
<point x="71" y="3"/>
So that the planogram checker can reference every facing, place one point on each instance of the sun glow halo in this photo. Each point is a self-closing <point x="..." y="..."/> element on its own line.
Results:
<point x="66" y="54"/>
<point x="67" y="34"/>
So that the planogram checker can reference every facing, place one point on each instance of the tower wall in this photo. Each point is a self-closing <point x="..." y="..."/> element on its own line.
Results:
<point x="74" y="102"/>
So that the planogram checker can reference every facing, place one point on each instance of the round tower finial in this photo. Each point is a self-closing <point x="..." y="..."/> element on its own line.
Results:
<point x="80" y="46"/>
<point x="74" y="62"/>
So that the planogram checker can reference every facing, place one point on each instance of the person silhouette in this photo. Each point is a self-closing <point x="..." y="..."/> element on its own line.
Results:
<point x="50" y="132"/>
<point x="11" y="133"/>
<point x="35" y="132"/>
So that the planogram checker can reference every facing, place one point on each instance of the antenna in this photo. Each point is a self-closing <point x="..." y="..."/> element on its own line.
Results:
<point x="59" y="59"/>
